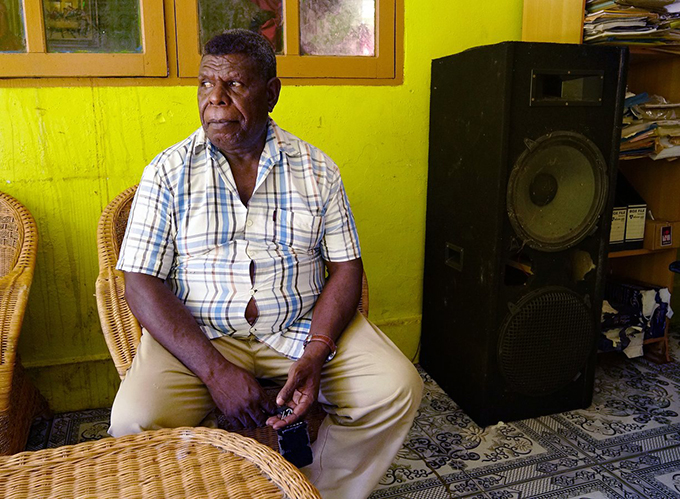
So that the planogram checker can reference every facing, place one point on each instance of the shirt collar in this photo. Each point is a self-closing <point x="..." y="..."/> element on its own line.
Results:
<point x="199" y="141"/>
<point x="283" y="143"/>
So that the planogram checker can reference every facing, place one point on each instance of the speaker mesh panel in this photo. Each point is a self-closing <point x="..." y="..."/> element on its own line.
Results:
<point x="546" y="341"/>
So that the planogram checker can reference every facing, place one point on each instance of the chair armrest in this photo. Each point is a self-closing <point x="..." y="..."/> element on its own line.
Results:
<point x="121" y="329"/>
<point x="14" y="289"/>
<point x="363" y="300"/>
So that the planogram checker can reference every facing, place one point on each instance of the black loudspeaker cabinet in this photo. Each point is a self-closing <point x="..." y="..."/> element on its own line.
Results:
<point x="522" y="164"/>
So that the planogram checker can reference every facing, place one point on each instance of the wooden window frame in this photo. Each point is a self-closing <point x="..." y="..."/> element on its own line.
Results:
<point x="172" y="54"/>
<point x="292" y="64"/>
<point x="37" y="62"/>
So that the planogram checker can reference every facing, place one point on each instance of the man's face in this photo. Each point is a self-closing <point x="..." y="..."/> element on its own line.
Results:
<point x="234" y="101"/>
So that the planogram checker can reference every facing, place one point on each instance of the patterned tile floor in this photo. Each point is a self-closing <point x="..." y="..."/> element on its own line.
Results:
<point x="626" y="445"/>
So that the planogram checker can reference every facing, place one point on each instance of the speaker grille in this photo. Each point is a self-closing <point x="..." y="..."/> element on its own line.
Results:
<point x="546" y="341"/>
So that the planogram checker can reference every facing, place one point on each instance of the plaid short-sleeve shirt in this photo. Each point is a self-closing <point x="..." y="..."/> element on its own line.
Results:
<point x="189" y="227"/>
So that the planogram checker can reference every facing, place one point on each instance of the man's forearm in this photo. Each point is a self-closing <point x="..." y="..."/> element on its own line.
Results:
<point x="337" y="303"/>
<point x="170" y="323"/>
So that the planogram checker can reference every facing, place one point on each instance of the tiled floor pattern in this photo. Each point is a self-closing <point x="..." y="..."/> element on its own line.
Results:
<point x="626" y="445"/>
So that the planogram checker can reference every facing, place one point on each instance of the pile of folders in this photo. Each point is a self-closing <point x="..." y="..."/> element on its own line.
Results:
<point x="651" y="24"/>
<point x="651" y="127"/>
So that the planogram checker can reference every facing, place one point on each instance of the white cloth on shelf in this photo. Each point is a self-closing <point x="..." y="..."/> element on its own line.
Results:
<point x="665" y="297"/>
<point x="607" y="308"/>
<point x="613" y="336"/>
<point x="636" y="337"/>
<point x="649" y="304"/>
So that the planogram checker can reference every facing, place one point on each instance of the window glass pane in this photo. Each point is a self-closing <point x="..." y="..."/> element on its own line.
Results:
<point x="103" y="26"/>
<point x="12" y="37"/>
<point x="262" y="16"/>
<point x="337" y="27"/>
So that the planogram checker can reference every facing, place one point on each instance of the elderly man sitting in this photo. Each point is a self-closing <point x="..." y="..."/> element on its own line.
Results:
<point x="229" y="236"/>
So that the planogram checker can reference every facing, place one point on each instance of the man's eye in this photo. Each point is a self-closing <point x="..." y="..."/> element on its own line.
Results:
<point x="206" y="84"/>
<point x="235" y="84"/>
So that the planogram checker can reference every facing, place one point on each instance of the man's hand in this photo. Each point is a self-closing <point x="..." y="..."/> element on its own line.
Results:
<point x="241" y="399"/>
<point x="302" y="387"/>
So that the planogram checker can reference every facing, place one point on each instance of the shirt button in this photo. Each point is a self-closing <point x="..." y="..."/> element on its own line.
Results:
<point x="252" y="329"/>
<point x="249" y="223"/>
<point x="252" y="292"/>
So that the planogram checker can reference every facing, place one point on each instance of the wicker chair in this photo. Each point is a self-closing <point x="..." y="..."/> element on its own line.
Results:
<point x="20" y="401"/>
<point x="179" y="463"/>
<point x="121" y="329"/>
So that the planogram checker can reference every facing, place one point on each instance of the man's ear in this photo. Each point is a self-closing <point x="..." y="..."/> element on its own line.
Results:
<point x="273" y="91"/>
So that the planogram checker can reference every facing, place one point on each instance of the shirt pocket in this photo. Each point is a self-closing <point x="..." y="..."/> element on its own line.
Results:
<point x="298" y="230"/>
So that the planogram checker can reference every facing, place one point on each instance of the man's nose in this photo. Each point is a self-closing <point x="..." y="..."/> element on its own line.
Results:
<point x="218" y="95"/>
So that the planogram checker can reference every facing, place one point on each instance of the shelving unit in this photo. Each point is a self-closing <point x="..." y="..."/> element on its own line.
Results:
<point x="658" y="182"/>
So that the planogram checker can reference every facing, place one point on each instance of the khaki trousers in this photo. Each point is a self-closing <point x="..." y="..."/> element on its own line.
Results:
<point x="370" y="391"/>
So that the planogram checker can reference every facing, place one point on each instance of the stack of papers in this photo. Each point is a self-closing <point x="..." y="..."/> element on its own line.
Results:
<point x="651" y="128"/>
<point x="647" y="23"/>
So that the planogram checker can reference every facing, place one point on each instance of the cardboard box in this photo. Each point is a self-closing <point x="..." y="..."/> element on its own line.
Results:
<point x="661" y="234"/>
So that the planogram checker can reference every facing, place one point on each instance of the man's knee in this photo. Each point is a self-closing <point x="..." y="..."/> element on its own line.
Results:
<point x="400" y="390"/>
<point x="408" y="386"/>
<point x="121" y="426"/>
<point x="128" y="422"/>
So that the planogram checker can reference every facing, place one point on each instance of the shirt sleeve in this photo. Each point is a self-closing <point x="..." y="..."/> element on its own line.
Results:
<point x="341" y="240"/>
<point x="148" y="246"/>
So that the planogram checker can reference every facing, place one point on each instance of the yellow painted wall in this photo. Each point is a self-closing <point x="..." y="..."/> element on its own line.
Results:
<point x="66" y="152"/>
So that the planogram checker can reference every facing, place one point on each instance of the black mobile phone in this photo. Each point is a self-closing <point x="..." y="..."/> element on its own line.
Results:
<point x="294" y="441"/>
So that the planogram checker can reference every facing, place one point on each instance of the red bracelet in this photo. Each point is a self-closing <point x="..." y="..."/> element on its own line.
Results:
<point x="326" y="340"/>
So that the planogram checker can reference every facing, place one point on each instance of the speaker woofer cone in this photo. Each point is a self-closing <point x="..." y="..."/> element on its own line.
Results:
<point x="557" y="191"/>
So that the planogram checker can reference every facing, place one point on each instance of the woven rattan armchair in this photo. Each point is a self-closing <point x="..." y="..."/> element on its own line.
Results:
<point x="179" y="463"/>
<point x="20" y="401"/>
<point x="121" y="329"/>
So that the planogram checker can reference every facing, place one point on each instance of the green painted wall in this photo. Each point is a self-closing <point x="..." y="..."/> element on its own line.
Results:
<point x="66" y="152"/>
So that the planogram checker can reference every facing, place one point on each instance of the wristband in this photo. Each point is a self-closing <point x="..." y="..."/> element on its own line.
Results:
<point x="325" y="340"/>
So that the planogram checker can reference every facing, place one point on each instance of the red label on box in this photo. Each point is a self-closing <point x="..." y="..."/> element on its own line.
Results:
<point x="666" y="235"/>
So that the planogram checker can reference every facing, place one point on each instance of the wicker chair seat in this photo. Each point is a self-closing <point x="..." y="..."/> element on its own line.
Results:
<point x="170" y="463"/>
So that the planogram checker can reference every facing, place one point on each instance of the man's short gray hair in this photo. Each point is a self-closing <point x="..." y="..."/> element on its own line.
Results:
<point x="249" y="43"/>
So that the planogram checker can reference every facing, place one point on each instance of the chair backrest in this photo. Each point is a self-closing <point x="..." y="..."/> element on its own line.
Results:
<point x="121" y="329"/>
<point x="18" y="249"/>
<point x="18" y="237"/>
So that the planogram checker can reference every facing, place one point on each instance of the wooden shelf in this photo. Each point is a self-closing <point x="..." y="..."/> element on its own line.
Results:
<point x="626" y="253"/>
<point x="647" y="54"/>
<point x="637" y="252"/>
